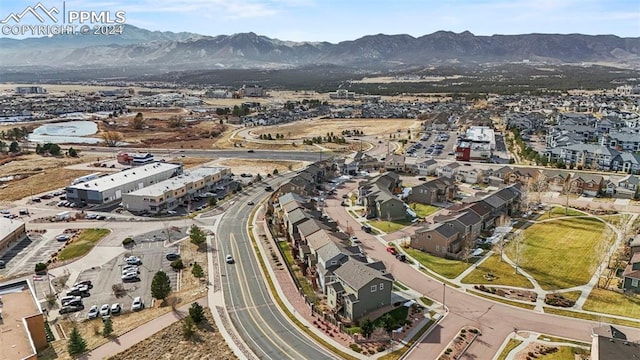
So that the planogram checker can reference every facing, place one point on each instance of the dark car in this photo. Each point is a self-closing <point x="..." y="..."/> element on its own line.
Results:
<point x="250" y="151"/>
<point x="71" y="308"/>
<point x="172" y="256"/>
<point x="2" y="264"/>
<point x="366" y="228"/>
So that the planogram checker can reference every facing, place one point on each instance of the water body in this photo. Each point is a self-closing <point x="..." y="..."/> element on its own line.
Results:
<point x="66" y="132"/>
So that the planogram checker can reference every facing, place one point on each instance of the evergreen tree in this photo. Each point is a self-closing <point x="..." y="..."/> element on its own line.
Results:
<point x="197" y="236"/>
<point x="196" y="312"/>
<point x="108" y="327"/>
<point x="76" y="344"/>
<point x="14" y="147"/>
<point x="160" y="286"/>
<point x="197" y="271"/>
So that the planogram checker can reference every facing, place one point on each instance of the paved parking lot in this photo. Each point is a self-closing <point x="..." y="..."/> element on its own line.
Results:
<point x="23" y="257"/>
<point x="151" y="252"/>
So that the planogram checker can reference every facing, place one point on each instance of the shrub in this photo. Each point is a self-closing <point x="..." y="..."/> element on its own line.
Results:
<point x="177" y="264"/>
<point x="355" y="348"/>
<point x="128" y="241"/>
<point x="196" y="312"/>
<point x="381" y="348"/>
<point x="41" y="267"/>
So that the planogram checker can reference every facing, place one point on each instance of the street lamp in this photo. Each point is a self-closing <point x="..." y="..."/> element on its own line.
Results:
<point x="444" y="292"/>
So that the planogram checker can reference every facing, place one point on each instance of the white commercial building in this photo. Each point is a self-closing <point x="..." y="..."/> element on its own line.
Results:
<point x="171" y="193"/>
<point x="11" y="231"/>
<point x="112" y="187"/>
<point x="482" y="134"/>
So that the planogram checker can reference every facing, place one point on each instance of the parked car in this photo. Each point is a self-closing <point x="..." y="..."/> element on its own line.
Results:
<point x="130" y="277"/>
<point x="268" y="188"/>
<point x="401" y="257"/>
<point x="116" y="309"/>
<point x="133" y="260"/>
<point x="2" y="264"/>
<point x="229" y="259"/>
<point x="250" y="151"/>
<point x="70" y="309"/>
<point x="128" y="267"/>
<point x="355" y="240"/>
<point x="63" y="237"/>
<point x="70" y="300"/>
<point x="93" y="312"/>
<point x="367" y="229"/>
<point x="86" y="283"/>
<point x="105" y="310"/>
<point x="391" y="250"/>
<point x="137" y="304"/>
<point x="172" y="256"/>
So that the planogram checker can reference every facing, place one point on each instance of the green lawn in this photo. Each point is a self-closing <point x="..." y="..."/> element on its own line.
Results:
<point x="563" y="353"/>
<point x="423" y="210"/>
<point x="398" y="315"/>
<point x="445" y="267"/>
<point x="81" y="245"/>
<point x="558" y="211"/>
<point x="545" y="337"/>
<point x="571" y="295"/>
<point x="560" y="254"/>
<point x="512" y="344"/>
<point x="504" y="274"/>
<point x="599" y="318"/>
<point x="611" y="302"/>
<point x="390" y="226"/>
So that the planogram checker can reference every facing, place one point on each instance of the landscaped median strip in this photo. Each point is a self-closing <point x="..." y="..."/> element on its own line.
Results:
<point x="504" y="301"/>
<point x="281" y="304"/>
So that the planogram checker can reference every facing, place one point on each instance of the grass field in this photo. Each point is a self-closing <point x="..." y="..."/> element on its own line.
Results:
<point x="303" y="129"/>
<point x="423" y="210"/>
<point x="558" y="211"/>
<point x="550" y="338"/>
<point x="445" y="267"/>
<point x="563" y="353"/>
<point x="560" y="254"/>
<point x="571" y="295"/>
<point x="512" y="344"/>
<point x="389" y="226"/>
<point x="599" y="318"/>
<point x="503" y="272"/>
<point x="81" y="245"/>
<point x="611" y="302"/>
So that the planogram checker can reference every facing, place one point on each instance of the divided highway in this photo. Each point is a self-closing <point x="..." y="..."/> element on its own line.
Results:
<point x="255" y="316"/>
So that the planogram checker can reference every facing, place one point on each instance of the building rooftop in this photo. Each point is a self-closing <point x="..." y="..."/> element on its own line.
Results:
<point x="7" y="226"/>
<point x="125" y="177"/>
<point x="177" y="182"/>
<point x="17" y="304"/>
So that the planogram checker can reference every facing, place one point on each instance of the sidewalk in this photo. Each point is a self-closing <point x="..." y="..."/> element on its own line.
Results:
<point x="140" y="333"/>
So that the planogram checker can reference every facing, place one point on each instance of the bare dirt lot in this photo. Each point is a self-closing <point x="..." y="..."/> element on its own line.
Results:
<point x="38" y="174"/>
<point x="305" y="129"/>
<point x="170" y="343"/>
<point x="239" y="166"/>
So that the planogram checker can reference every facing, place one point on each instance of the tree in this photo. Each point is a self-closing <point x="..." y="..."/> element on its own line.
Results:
<point x="160" y="285"/>
<point x="54" y="149"/>
<point x="14" y="147"/>
<point x="112" y="138"/>
<point x="197" y="236"/>
<point x="76" y="344"/>
<point x="197" y="271"/>
<point x="187" y="327"/>
<point x="108" y="327"/>
<point x="176" y="122"/>
<point x="388" y="323"/>
<point x="3" y="146"/>
<point x="177" y="264"/>
<point x="196" y="312"/>
<point x="367" y="328"/>
<point x="137" y="122"/>
<point x="275" y="171"/>
<point x="211" y="201"/>
<point x="72" y="152"/>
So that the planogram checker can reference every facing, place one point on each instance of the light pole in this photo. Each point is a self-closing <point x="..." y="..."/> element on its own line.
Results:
<point x="444" y="293"/>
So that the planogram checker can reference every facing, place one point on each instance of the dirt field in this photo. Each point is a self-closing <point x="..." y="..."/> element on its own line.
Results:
<point x="305" y="129"/>
<point x="207" y="343"/>
<point x="239" y="166"/>
<point x="44" y="174"/>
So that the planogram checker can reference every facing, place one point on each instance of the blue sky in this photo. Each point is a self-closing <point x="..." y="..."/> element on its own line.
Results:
<point x="338" y="20"/>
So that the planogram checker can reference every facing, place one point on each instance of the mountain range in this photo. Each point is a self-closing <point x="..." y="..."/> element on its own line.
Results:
<point x="168" y="51"/>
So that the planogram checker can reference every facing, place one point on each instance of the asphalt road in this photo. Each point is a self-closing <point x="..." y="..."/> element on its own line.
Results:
<point x="256" y="317"/>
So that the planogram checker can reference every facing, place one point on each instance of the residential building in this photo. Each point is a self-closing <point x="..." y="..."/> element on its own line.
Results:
<point x="427" y="167"/>
<point x="609" y="343"/>
<point x="631" y="275"/>
<point x="556" y="180"/>
<point x="587" y="184"/>
<point x="626" y="162"/>
<point x="30" y="90"/>
<point x="440" y="239"/>
<point x="111" y="188"/>
<point x="21" y="321"/>
<point x="358" y="289"/>
<point x="395" y="162"/>
<point x="378" y="196"/>
<point x="628" y="187"/>
<point x="437" y="191"/>
<point x="448" y="170"/>
<point x="168" y="194"/>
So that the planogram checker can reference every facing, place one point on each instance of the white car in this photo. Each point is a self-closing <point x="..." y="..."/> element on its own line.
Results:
<point x="133" y="260"/>
<point x="105" y="310"/>
<point x="130" y="277"/>
<point x="137" y="304"/>
<point x="116" y="309"/>
<point x="63" y="237"/>
<point x="93" y="312"/>
<point x="129" y="267"/>
<point x="229" y="259"/>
